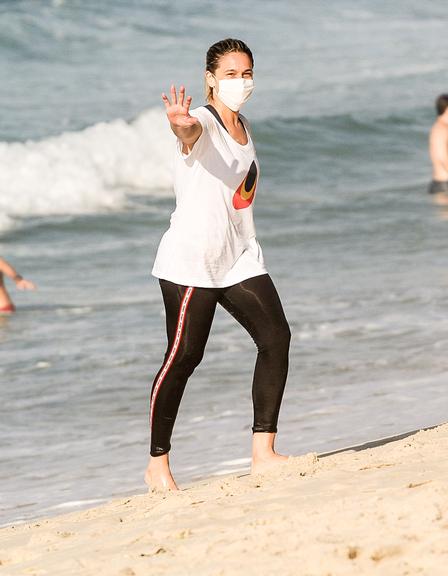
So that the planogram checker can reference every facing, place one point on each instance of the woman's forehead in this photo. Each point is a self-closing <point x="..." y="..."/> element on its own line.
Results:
<point x="235" y="61"/>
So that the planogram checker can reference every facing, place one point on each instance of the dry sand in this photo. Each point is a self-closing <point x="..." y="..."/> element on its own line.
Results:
<point x="381" y="511"/>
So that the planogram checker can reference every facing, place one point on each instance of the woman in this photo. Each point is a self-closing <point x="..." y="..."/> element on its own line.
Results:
<point x="6" y="304"/>
<point x="210" y="255"/>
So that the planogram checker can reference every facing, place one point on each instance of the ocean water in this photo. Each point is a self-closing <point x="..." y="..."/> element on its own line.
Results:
<point x="341" y="112"/>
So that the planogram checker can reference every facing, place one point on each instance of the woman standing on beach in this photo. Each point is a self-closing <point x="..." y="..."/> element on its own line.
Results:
<point x="210" y="255"/>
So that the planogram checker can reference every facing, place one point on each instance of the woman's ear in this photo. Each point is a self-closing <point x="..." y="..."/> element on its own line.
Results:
<point x="210" y="79"/>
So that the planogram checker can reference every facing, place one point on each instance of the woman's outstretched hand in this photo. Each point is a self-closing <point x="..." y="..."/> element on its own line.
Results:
<point x="24" y="284"/>
<point x="178" y="109"/>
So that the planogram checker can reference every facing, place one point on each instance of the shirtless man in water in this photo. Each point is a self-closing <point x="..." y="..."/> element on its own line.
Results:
<point x="438" y="151"/>
<point x="6" y="304"/>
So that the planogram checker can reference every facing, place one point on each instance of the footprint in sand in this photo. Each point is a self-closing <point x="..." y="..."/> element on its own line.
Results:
<point x="385" y="552"/>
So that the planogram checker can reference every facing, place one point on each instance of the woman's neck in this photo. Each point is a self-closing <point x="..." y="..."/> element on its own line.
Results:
<point x="228" y="116"/>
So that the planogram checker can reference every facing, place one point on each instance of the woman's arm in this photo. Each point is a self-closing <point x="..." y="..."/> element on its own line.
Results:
<point x="11" y="272"/>
<point x="187" y="128"/>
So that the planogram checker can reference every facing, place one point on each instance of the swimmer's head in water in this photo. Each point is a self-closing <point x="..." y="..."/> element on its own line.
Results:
<point x="442" y="104"/>
<point x="217" y="51"/>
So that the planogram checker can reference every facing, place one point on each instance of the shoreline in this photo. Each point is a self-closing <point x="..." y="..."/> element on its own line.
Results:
<point x="78" y="506"/>
<point x="382" y="509"/>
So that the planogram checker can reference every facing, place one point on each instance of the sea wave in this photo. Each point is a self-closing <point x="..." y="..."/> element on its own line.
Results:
<point x="92" y="170"/>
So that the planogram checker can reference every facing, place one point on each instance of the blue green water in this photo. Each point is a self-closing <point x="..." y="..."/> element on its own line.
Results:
<point x="341" y="112"/>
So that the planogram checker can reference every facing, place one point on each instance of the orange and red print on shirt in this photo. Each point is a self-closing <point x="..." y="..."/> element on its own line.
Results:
<point x="245" y="193"/>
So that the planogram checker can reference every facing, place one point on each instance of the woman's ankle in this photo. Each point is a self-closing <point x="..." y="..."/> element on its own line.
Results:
<point x="158" y="474"/>
<point x="263" y="444"/>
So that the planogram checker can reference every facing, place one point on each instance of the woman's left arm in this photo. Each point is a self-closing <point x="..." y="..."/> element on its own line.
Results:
<point x="11" y="272"/>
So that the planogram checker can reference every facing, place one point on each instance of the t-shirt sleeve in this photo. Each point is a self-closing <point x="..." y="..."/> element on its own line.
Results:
<point x="204" y="117"/>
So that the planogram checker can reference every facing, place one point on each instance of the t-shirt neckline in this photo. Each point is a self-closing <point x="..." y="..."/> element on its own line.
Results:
<point x="217" y="117"/>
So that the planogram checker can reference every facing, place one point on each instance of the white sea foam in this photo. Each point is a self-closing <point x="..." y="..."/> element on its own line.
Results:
<point x="91" y="170"/>
<point x="236" y="462"/>
<point x="77" y="503"/>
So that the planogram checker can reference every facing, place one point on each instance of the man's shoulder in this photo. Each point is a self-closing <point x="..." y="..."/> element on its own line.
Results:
<point x="439" y="132"/>
<point x="439" y="126"/>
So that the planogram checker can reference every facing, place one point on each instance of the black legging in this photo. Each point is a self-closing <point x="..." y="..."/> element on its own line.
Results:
<point x="189" y="314"/>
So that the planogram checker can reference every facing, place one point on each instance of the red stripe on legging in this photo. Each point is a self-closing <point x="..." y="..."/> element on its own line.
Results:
<point x="179" y="330"/>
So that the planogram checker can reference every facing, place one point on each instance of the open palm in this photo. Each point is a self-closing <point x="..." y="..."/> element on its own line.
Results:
<point x="178" y="108"/>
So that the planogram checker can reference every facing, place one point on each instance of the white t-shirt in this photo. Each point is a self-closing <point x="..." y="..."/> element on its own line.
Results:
<point x="211" y="240"/>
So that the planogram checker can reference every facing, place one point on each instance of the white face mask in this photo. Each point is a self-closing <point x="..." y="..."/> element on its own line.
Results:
<point x="233" y="92"/>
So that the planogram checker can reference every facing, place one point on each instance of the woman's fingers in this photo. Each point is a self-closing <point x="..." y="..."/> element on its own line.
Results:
<point x="187" y="104"/>
<point x="26" y="285"/>
<point x="181" y="101"/>
<point x="165" y="100"/>
<point x="181" y="95"/>
<point x="178" y="108"/>
<point x="173" y="95"/>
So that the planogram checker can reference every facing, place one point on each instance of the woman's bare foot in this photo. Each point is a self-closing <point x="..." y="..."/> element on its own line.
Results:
<point x="158" y="474"/>
<point x="264" y="456"/>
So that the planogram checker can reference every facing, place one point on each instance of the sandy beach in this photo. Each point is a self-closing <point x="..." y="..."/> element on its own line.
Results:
<point x="382" y="510"/>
